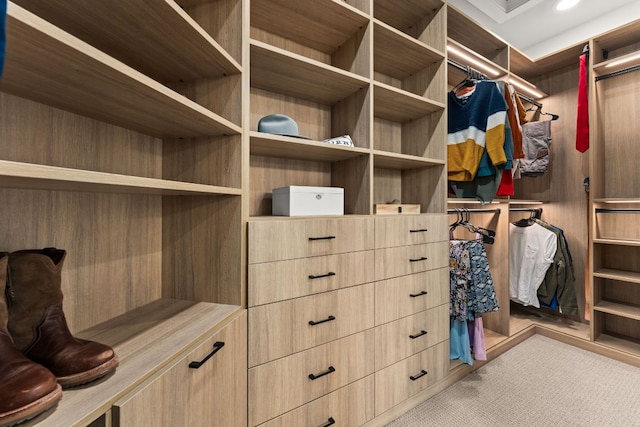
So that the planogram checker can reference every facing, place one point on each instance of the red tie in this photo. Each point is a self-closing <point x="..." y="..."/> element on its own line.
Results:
<point x="582" y="126"/>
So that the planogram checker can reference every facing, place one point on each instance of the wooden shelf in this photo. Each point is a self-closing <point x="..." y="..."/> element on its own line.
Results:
<point x="145" y="340"/>
<point x="625" y="345"/>
<point x="155" y="37"/>
<point x="403" y="161"/>
<point x="403" y="14"/>
<point x="617" y="242"/>
<point x="50" y="66"/>
<point x="295" y="148"/>
<point x="399" y="56"/>
<point x="397" y="105"/>
<point x="616" y="309"/>
<point x="42" y="177"/>
<point x="620" y="275"/>
<point x="323" y="25"/>
<point x="277" y="70"/>
<point x="616" y="200"/>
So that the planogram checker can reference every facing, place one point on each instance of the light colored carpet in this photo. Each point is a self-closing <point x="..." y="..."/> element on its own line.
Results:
<point x="540" y="382"/>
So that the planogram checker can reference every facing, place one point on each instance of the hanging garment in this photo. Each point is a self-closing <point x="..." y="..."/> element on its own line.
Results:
<point x="459" y="343"/>
<point x="558" y="289"/>
<point x="531" y="252"/>
<point x="536" y="143"/>
<point x="516" y="115"/>
<point x="476" y="339"/>
<point x="459" y="279"/>
<point x="475" y="123"/>
<point x="482" y="294"/>
<point x="582" y="121"/>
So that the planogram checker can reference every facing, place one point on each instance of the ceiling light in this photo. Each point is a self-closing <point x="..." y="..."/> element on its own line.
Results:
<point x="472" y="60"/>
<point x="623" y="60"/>
<point x="530" y="90"/>
<point x="566" y="4"/>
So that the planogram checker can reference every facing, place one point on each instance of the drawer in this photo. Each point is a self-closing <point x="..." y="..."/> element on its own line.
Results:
<point x="410" y="230"/>
<point x="300" y="238"/>
<point x="284" y="384"/>
<point x="410" y="335"/>
<point x="282" y="280"/>
<point x="394" y="262"/>
<point x="402" y="380"/>
<point x="183" y="395"/>
<point x="411" y="294"/>
<point x="279" y="329"/>
<point x="349" y="406"/>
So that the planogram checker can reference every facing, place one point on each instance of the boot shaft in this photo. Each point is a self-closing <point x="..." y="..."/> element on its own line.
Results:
<point x="34" y="284"/>
<point x="4" y="311"/>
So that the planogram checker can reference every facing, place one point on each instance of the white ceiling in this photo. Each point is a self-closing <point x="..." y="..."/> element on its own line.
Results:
<point x="536" y="29"/>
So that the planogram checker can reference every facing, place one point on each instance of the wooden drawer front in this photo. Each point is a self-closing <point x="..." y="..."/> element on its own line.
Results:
<point x="184" y="396"/>
<point x="405" y="337"/>
<point x="348" y="406"/>
<point x="296" y="238"/>
<point x="410" y="230"/>
<point x="394" y="384"/>
<point x="394" y="262"/>
<point x="277" y="281"/>
<point x="406" y="295"/>
<point x="277" y="330"/>
<point x="284" y="384"/>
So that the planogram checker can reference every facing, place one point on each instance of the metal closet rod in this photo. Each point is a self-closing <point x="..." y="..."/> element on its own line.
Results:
<point x="463" y="210"/>
<point x="465" y="69"/>
<point x="536" y="210"/>
<point x="618" y="73"/>
<point x="611" y="210"/>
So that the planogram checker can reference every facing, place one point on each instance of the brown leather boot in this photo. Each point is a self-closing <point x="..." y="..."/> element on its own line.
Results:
<point x="38" y="325"/>
<point x="27" y="389"/>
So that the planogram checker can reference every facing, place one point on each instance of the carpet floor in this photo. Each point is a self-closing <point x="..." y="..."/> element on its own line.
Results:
<point x="540" y="382"/>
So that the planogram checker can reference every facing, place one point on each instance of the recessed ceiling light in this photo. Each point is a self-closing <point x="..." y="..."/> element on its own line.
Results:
<point x="566" y="4"/>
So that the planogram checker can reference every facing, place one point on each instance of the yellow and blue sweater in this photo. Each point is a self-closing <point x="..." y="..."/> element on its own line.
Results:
<point x="475" y="123"/>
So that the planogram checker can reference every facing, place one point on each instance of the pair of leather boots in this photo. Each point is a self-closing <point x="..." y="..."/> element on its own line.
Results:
<point x="38" y="354"/>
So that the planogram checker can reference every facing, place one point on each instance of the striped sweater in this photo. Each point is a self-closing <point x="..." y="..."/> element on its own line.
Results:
<point x="475" y="123"/>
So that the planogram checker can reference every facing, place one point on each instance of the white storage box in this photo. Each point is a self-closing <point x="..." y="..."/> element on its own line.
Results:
<point x="296" y="200"/>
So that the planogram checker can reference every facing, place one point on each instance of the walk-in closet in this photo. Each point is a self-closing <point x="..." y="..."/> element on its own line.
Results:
<point x="307" y="213"/>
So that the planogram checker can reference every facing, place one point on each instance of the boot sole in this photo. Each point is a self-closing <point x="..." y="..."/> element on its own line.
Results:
<point x="88" y="376"/>
<point x="31" y="410"/>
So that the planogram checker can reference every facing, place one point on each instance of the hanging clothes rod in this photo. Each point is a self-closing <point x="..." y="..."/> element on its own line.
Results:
<point x="533" y="210"/>
<point x="618" y="73"/>
<point x="467" y="69"/>
<point x="529" y="100"/>
<point x="451" y="211"/>
<point x="610" y="210"/>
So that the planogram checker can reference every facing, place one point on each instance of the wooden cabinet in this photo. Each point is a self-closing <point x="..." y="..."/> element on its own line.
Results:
<point x="373" y="70"/>
<point x="210" y="380"/>
<point x="615" y="231"/>
<point x="121" y="135"/>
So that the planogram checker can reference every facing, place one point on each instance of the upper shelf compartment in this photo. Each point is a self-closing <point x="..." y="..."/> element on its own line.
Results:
<point x="328" y="31"/>
<point x="421" y="19"/>
<point x="468" y="33"/>
<point x="157" y="38"/>
<point x="48" y="65"/>
<point x="277" y="70"/>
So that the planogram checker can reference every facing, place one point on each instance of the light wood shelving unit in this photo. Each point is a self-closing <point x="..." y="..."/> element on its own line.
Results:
<point x="615" y="245"/>
<point x="104" y="117"/>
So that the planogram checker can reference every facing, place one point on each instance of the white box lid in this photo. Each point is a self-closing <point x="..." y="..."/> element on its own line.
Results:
<point x="308" y="189"/>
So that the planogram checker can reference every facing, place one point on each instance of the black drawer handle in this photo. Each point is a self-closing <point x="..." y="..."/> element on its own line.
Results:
<point x="418" y="295"/>
<point x="422" y="258"/>
<point x="419" y="230"/>
<point x="420" y="375"/>
<point x="322" y="374"/>
<point x="216" y="347"/>
<point x="330" y="422"/>
<point x="418" y="335"/>
<point x="322" y="238"/>
<point x="329" y="274"/>
<point x="328" y="319"/>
